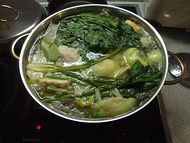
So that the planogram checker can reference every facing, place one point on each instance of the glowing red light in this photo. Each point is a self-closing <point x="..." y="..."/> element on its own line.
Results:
<point x="38" y="127"/>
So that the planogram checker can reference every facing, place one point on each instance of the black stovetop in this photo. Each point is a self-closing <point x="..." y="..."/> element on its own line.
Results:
<point x="23" y="120"/>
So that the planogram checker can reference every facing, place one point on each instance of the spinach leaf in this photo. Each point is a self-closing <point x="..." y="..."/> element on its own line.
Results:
<point x="141" y="82"/>
<point x="140" y="73"/>
<point x="96" y="32"/>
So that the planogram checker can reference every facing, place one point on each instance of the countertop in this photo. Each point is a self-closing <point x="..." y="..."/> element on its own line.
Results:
<point x="175" y="99"/>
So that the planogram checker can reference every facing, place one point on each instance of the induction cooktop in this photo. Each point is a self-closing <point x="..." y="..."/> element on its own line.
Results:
<point x="23" y="120"/>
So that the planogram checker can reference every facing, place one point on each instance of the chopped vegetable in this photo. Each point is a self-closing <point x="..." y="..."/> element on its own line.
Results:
<point x="136" y="28"/>
<point x="51" y="33"/>
<point x="106" y="67"/>
<point x="155" y="56"/>
<point x="51" y="52"/>
<point x="133" y="54"/>
<point x="81" y="102"/>
<point x="115" y="106"/>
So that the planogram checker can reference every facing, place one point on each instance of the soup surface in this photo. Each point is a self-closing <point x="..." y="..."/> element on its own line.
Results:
<point x="93" y="65"/>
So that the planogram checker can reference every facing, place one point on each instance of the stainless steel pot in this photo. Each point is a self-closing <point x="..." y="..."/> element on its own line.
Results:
<point x="112" y="10"/>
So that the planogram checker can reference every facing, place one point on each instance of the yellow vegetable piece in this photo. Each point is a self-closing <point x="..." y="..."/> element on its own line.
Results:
<point x="106" y="67"/>
<point x="136" y="28"/>
<point x="80" y="102"/>
<point x="155" y="56"/>
<point x="50" y="33"/>
<point x="31" y="81"/>
<point x="91" y="99"/>
<point x="132" y="54"/>
<point x="123" y="71"/>
<point x="115" y="106"/>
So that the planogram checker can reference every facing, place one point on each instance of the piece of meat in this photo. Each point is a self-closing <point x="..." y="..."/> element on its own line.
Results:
<point x="54" y="82"/>
<point x="68" y="54"/>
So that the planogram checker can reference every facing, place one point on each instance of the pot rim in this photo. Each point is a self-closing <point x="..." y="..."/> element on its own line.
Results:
<point x="59" y="15"/>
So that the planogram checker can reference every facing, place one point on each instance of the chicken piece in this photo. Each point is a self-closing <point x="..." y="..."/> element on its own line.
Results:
<point x="68" y="54"/>
<point x="54" y="82"/>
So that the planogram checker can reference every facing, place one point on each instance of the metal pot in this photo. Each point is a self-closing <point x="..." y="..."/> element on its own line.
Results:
<point x="112" y="10"/>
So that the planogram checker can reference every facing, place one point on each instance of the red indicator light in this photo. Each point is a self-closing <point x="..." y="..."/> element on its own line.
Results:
<point x="38" y="127"/>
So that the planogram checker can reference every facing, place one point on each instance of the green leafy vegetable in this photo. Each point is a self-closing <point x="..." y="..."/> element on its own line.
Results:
<point x="97" y="33"/>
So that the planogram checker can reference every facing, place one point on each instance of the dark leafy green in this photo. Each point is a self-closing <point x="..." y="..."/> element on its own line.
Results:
<point x="99" y="33"/>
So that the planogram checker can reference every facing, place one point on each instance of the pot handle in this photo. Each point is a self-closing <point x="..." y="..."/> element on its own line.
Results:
<point x="183" y="67"/>
<point x="14" y="54"/>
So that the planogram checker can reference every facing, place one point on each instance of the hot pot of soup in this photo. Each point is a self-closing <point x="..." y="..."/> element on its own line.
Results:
<point x="93" y="63"/>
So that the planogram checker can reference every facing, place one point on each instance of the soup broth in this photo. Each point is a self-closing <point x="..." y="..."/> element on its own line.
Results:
<point x="93" y="65"/>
